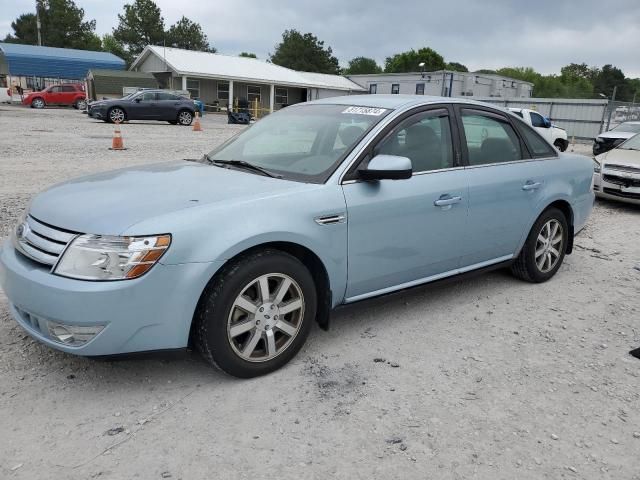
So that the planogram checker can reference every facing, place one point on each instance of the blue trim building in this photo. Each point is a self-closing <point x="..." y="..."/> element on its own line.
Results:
<point x="41" y="65"/>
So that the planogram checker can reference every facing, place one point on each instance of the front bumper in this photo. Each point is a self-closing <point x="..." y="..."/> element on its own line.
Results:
<point x="608" y="184"/>
<point x="96" y="112"/>
<point x="153" y="312"/>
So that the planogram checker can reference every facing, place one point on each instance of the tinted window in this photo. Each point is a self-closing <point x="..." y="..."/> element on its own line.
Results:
<point x="167" y="96"/>
<point x="419" y="88"/>
<point x="395" y="88"/>
<point x="68" y="88"/>
<point x="373" y="88"/>
<point x="538" y="146"/>
<point x="489" y="138"/>
<point x="537" y="120"/>
<point x="628" y="127"/>
<point x="424" y="138"/>
<point x="147" y="97"/>
<point x="55" y="89"/>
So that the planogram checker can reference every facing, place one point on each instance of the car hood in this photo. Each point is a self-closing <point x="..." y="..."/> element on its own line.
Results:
<point x="620" y="156"/>
<point x="614" y="134"/>
<point x="107" y="203"/>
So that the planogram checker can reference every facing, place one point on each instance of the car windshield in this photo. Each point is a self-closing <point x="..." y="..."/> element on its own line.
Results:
<point x="304" y="143"/>
<point x="632" y="144"/>
<point x="628" y="127"/>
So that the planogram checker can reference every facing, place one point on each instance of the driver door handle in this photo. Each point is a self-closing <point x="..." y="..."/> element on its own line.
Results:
<point x="446" y="200"/>
<point x="531" y="185"/>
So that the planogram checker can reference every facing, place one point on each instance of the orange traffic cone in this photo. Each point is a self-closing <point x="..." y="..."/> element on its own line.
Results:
<point x="196" y="123"/>
<point x="116" y="142"/>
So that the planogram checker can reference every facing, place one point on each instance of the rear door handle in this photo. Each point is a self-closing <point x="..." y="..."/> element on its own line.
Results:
<point x="531" y="186"/>
<point x="445" y="200"/>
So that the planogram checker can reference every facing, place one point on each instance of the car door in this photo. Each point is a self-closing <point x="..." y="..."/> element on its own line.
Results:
<point x="168" y="105"/>
<point x="68" y="94"/>
<point x="53" y="96"/>
<point x="403" y="232"/>
<point x="144" y="107"/>
<point x="505" y="185"/>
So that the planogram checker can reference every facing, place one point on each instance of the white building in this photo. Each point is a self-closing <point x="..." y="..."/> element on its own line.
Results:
<point x="215" y="78"/>
<point x="445" y="83"/>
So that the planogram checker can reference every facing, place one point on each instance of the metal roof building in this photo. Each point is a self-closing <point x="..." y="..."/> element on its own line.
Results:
<point x="216" y="78"/>
<point x="33" y="61"/>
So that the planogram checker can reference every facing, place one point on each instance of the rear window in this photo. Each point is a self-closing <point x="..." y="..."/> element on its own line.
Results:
<point x="538" y="146"/>
<point x="68" y="88"/>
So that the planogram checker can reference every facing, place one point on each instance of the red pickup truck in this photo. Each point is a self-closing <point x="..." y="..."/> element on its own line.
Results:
<point x="66" y="94"/>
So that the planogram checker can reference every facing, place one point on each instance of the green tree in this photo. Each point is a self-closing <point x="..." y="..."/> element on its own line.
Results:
<point x="362" y="65"/>
<point x="457" y="67"/>
<point x="410" y="60"/>
<point x="304" y="52"/>
<point x="110" y="44"/>
<point x="188" y="35"/>
<point x="140" y="24"/>
<point x="486" y="71"/>
<point x="62" y="25"/>
<point x="247" y="55"/>
<point x="608" y="78"/>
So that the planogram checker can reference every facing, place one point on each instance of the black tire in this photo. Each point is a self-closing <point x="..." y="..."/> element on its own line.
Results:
<point x="184" y="118"/>
<point x="561" y="144"/>
<point x="114" y="109"/>
<point x="173" y="122"/>
<point x="77" y="104"/>
<point x="210" y="331"/>
<point x="525" y="266"/>
<point x="38" y="102"/>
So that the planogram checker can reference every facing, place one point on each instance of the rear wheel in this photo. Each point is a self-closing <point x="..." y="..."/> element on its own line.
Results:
<point x="545" y="248"/>
<point x="185" y="117"/>
<point x="38" y="103"/>
<point x="116" y="115"/>
<point x="80" y="104"/>
<point x="256" y="313"/>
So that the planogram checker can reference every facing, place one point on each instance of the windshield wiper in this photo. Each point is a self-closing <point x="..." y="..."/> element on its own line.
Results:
<point x="243" y="164"/>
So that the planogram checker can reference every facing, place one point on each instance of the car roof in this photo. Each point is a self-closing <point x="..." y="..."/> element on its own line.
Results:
<point x="395" y="102"/>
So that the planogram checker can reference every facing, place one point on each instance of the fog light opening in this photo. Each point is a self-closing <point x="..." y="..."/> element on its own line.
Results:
<point x="73" y="335"/>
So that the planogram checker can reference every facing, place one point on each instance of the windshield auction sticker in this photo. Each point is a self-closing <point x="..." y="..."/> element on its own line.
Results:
<point x="365" y="111"/>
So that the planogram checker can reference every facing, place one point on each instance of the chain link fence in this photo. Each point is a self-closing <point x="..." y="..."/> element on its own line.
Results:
<point x="620" y="112"/>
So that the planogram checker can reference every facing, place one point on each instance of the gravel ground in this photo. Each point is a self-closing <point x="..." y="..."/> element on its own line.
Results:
<point x="484" y="378"/>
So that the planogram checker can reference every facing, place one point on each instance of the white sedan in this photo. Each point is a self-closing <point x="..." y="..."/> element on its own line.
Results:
<point x="617" y="172"/>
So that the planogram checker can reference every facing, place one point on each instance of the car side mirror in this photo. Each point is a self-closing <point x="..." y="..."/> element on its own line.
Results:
<point x="137" y="100"/>
<point x="387" y="167"/>
<point x="547" y="123"/>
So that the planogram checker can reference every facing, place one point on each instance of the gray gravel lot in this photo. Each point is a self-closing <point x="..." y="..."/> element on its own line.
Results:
<point x="484" y="378"/>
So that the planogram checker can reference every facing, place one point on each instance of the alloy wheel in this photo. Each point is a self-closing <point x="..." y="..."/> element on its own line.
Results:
<point x="265" y="317"/>
<point x="184" y="118"/>
<point x="38" y="103"/>
<point x="549" y="245"/>
<point x="116" y="115"/>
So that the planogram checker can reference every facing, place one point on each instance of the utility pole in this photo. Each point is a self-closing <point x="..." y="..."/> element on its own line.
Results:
<point x="611" y="106"/>
<point x="38" y="24"/>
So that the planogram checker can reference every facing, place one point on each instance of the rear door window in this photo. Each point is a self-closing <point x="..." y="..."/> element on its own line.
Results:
<point x="538" y="146"/>
<point x="489" y="138"/>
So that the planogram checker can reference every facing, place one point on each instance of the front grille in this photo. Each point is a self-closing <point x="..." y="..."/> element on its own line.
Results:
<point x="618" y="193"/>
<point x="41" y="242"/>
<point x="32" y="321"/>
<point x="625" y="182"/>
<point x="622" y="168"/>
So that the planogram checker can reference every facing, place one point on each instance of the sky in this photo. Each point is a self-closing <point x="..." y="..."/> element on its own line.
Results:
<point x="543" y="34"/>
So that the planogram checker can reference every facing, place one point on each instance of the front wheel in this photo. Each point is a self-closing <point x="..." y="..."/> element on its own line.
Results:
<point x="38" y="103"/>
<point x="545" y="248"/>
<point x="116" y="115"/>
<point x="256" y="314"/>
<point x="185" y="117"/>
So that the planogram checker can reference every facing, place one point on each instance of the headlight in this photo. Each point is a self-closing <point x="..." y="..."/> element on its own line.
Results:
<point x="102" y="257"/>
<point x="596" y="166"/>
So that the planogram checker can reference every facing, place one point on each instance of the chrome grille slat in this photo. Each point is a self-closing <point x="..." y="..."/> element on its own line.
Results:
<point x="621" y="168"/>
<point x="42" y="243"/>
<point x="37" y="255"/>
<point x="48" y="232"/>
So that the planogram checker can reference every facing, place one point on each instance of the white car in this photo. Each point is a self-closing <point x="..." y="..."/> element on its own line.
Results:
<point x="614" y="137"/>
<point x="553" y="134"/>
<point x="617" y="173"/>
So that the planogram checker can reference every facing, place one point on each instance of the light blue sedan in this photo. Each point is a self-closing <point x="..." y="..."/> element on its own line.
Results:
<point x="318" y="205"/>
